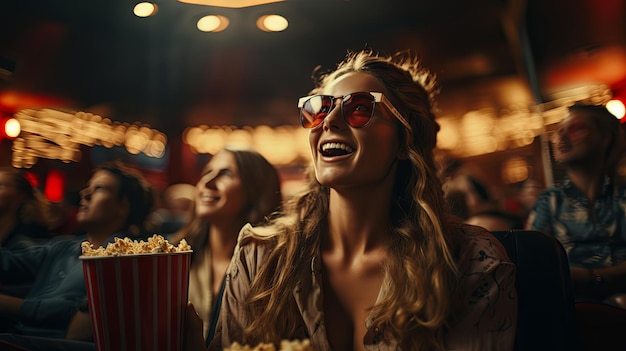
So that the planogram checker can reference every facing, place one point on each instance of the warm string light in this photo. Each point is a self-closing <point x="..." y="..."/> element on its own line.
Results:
<point x="284" y="145"/>
<point x="53" y="134"/>
<point x="485" y="131"/>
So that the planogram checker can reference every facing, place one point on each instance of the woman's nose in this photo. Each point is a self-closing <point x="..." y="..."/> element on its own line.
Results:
<point x="85" y="194"/>
<point x="333" y="119"/>
<point x="209" y="182"/>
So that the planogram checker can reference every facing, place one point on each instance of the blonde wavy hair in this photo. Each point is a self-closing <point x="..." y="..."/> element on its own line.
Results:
<point x="421" y="275"/>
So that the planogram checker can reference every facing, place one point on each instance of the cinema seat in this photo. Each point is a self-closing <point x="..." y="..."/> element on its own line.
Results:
<point x="546" y="309"/>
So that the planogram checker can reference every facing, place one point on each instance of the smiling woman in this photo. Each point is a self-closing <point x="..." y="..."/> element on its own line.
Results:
<point x="236" y="187"/>
<point x="368" y="257"/>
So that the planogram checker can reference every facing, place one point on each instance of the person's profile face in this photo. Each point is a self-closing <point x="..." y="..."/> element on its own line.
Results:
<point x="219" y="192"/>
<point x="344" y="156"/>
<point x="529" y="194"/>
<point x="576" y="138"/>
<point x="99" y="201"/>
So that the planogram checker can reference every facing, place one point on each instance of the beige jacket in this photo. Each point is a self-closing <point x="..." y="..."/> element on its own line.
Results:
<point x="488" y="323"/>
<point x="200" y="289"/>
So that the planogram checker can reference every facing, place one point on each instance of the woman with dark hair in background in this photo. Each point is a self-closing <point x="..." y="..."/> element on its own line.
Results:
<point x="236" y="187"/>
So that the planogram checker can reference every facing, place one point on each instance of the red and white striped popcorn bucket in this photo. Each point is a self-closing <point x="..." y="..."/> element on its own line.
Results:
<point x="137" y="302"/>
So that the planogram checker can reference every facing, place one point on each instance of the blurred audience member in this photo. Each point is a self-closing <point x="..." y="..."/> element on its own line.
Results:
<point x="115" y="203"/>
<point x="23" y="211"/>
<point x="62" y="218"/>
<point x="471" y="200"/>
<point x="236" y="187"/>
<point x="587" y="212"/>
<point x="528" y="196"/>
<point x="457" y="201"/>
<point x="173" y="212"/>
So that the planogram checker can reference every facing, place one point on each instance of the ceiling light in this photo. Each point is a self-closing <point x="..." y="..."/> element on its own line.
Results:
<point x="236" y="4"/>
<point x="616" y="107"/>
<point x="12" y="128"/>
<point x="213" y="23"/>
<point x="272" y="23"/>
<point x="145" y="9"/>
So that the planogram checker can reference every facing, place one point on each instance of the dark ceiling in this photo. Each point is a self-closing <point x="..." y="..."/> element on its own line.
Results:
<point x="97" y="56"/>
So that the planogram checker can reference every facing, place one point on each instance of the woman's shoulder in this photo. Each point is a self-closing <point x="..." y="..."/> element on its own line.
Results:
<point x="253" y="236"/>
<point x="479" y="249"/>
<point x="267" y="234"/>
<point x="254" y="247"/>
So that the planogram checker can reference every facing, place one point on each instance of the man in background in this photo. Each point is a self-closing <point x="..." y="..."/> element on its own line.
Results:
<point x="586" y="213"/>
<point x="115" y="203"/>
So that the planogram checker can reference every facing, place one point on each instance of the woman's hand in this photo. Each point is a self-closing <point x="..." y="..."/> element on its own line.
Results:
<point x="193" y="338"/>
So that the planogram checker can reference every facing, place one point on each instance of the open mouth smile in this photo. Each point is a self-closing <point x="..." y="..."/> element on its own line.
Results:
<point x="335" y="149"/>
<point x="209" y="198"/>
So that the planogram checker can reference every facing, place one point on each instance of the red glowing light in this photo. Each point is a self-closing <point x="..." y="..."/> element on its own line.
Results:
<point x="55" y="186"/>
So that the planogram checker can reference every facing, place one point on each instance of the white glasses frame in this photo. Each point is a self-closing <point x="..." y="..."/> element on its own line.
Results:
<point x="378" y="98"/>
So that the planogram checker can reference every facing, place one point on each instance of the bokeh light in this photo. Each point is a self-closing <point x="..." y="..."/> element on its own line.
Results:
<point x="616" y="107"/>
<point x="272" y="23"/>
<point x="145" y="9"/>
<point x="213" y="23"/>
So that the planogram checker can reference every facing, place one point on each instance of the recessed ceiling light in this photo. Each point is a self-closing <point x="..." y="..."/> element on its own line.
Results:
<point x="213" y="23"/>
<point x="145" y="9"/>
<point x="272" y="23"/>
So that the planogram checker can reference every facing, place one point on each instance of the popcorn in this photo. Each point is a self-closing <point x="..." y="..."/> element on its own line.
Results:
<point x="260" y="347"/>
<point x="296" y="345"/>
<point x="126" y="246"/>
<point x="131" y="273"/>
<point x="285" y="345"/>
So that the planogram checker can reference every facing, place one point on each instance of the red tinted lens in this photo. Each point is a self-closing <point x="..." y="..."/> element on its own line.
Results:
<point x="315" y="110"/>
<point x="577" y="131"/>
<point x="358" y="109"/>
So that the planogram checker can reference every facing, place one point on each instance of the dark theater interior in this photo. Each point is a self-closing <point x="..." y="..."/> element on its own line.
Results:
<point x="509" y="61"/>
<point x="83" y="82"/>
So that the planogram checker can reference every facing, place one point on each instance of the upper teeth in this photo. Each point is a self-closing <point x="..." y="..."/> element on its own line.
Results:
<point x="337" y="146"/>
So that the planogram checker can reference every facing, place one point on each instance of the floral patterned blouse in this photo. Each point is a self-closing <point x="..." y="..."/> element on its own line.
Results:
<point x="488" y="321"/>
<point x="592" y="232"/>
